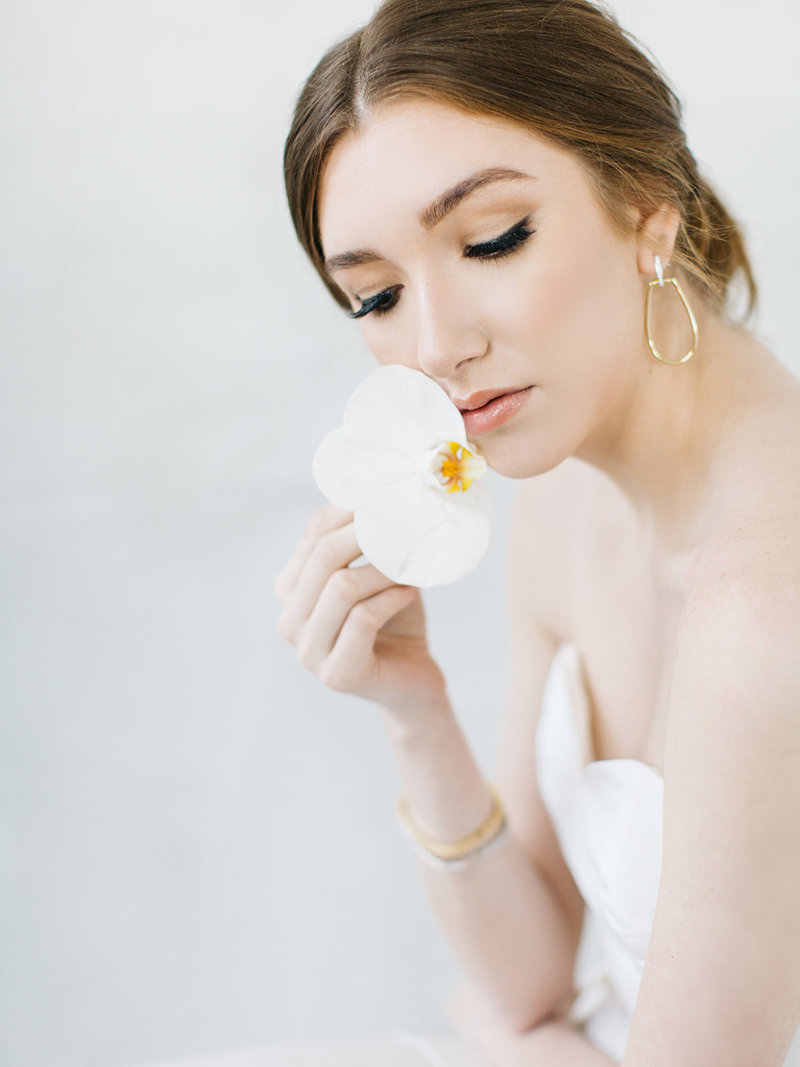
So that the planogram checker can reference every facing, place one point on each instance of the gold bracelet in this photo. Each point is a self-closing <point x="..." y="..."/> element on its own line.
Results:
<point x="451" y="851"/>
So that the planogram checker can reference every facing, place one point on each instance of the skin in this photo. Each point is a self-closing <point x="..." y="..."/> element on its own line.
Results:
<point x="657" y="481"/>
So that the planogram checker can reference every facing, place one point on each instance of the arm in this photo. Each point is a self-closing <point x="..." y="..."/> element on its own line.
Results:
<point x="721" y="981"/>
<point x="501" y="916"/>
<point x="554" y="1043"/>
<point x="513" y="918"/>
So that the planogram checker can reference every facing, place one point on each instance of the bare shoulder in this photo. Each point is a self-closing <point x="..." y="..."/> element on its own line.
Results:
<point x="736" y="671"/>
<point x="752" y="560"/>
<point x="753" y="550"/>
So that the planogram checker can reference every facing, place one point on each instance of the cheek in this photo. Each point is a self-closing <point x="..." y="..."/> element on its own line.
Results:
<point x="388" y="346"/>
<point x="576" y="311"/>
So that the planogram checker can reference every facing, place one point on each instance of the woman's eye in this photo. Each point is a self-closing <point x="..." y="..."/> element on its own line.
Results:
<point x="503" y="245"/>
<point x="380" y="303"/>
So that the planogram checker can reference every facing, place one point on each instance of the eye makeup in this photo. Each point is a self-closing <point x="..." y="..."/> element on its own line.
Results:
<point x="499" y="247"/>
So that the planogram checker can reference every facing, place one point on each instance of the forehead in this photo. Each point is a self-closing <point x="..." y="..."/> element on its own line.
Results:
<point x="407" y="152"/>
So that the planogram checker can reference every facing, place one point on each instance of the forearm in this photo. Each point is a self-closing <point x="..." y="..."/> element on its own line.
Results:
<point x="500" y="916"/>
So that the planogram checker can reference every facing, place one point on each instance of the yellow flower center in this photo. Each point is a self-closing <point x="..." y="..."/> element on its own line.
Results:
<point x="456" y="468"/>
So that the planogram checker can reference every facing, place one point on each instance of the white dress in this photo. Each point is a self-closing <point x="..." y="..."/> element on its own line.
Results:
<point x="607" y="816"/>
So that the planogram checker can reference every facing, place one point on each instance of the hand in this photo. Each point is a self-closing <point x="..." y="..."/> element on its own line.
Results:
<point x="357" y="630"/>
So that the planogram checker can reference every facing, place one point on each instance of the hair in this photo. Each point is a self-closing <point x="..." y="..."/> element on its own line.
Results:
<point x="563" y="69"/>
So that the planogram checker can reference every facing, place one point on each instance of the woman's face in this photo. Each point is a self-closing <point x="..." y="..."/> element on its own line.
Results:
<point x="466" y="296"/>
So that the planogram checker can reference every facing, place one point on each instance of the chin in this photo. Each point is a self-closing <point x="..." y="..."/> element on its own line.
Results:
<point x="520" y="456"/>
<point x="520" y="463"/>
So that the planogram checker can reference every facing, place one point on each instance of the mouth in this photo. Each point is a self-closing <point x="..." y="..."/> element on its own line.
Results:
<point x="475" y="401"/>
<point x="494" y="412"/>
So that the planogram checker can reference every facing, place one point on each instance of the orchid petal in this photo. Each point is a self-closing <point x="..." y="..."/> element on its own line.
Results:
<point x="401" y="462"/>
<point x="335" y="469"/>
<point x="339" y="467"/>
<point x="407" y="411"/>
<point x="418" y="535"/>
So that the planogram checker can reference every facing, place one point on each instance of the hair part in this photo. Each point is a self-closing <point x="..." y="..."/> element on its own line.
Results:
<point x="563" y="69"/>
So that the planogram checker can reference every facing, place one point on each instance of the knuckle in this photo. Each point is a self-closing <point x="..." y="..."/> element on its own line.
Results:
<point x="326" y="551"/>
<point x="316" y="524"/>
<point x="365" y="613"/>
<point x="332" y="675"/>
<point x="344" y="585"/>
<point x="323" y="520"/>
<point x="313" y="531"/>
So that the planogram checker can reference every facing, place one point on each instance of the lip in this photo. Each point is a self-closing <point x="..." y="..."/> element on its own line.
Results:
<point x="494" y="412"/>
<point x="478" y="400"/>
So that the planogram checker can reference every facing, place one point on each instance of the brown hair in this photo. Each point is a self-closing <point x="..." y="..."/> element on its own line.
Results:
<point x="562" y="68"/>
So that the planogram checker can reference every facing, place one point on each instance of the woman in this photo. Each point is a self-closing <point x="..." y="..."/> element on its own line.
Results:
<point x="500" y="192"/>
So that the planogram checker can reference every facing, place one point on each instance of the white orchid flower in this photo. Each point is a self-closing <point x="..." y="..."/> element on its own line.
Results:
<point x="402" y="464"/>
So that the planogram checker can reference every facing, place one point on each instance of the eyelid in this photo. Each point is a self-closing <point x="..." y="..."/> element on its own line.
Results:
<point x="494" y="249"/>
<point x="372" y="303"/>
<point x="523" y="228"/>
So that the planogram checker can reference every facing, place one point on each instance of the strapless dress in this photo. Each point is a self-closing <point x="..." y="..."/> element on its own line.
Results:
<point x="607" y="816"/>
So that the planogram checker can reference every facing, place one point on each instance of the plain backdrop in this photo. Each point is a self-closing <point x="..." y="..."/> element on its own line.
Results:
<point x="197" y="839"/>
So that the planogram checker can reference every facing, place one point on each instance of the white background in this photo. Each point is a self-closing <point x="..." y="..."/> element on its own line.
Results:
<point x="197" y="840"/>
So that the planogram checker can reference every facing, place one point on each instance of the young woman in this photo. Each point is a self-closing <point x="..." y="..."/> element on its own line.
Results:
<point x="500" y="193"/>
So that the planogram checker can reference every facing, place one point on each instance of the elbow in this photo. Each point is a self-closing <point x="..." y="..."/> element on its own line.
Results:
<point x="521" y="1019"/>
<point x="522" y="1013"/>
<point x="468" y="1005"/>
<point x="523" y="1022"/>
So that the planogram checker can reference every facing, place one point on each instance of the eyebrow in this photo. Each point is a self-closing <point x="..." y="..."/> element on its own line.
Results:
<point x="433" y="213"/>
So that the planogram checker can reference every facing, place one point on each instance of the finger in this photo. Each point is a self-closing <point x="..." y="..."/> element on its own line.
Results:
<point x="332" y="552"/>
<point x="321" y="522"/>
<point x="344" y="589"/>
<point x="350" y="661"/>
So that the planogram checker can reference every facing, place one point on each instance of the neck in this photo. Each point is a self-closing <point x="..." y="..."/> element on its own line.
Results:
<point x="661" y="441"/>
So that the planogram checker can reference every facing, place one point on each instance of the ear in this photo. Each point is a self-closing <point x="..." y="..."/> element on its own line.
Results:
<point x="657" y="233"/>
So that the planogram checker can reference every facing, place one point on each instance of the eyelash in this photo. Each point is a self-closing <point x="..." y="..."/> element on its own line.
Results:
<point x="504" y="245"/>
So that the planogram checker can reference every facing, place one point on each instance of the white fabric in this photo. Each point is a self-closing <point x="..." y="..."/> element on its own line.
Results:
<point x="607" y="815"/>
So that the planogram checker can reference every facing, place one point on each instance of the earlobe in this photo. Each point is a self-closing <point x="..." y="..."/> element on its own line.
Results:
<point x="658" y="232"/>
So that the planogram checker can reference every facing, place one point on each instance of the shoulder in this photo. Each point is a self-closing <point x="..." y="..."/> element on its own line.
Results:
<point x="746" y="584"/>
<point x="751" y="557"/>
<point x="735" y="693"/>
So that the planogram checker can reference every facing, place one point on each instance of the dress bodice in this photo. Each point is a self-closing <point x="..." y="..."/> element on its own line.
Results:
<point x="607" y="816"/>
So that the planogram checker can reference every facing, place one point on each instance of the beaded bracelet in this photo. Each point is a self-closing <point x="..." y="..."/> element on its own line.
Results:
<point x="452" y="855"/>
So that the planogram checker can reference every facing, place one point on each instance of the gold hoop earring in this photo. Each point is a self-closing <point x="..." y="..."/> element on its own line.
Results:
<point x="661" y="281"/>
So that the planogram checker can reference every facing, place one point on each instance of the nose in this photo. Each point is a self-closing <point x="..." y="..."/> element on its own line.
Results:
<point x="447" y="332"/>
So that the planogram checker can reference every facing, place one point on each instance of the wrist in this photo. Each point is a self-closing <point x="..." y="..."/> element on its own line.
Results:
<point x="419" y="720"/>
<point x="454" y="854"/>
<point x="447" y="795"/>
